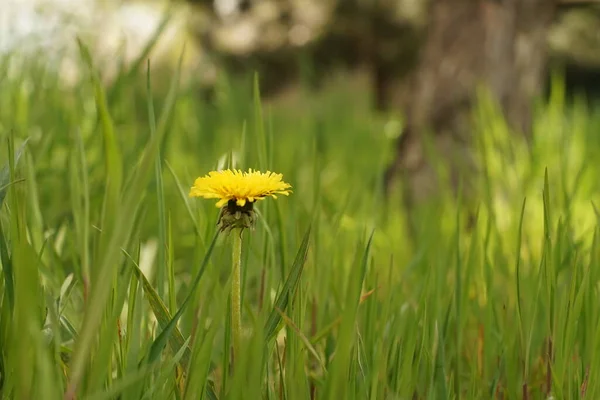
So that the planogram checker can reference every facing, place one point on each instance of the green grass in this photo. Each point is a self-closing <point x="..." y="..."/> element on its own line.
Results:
<point x="115" y="284"/>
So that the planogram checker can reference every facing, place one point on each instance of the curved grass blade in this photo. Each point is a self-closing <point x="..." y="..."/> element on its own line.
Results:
<point x="289" y="288"/>
<point x="158" y="307"/>
<point x="307" y="344"/>
<point x="161" y="341"/>
<point x="336" y="385"/>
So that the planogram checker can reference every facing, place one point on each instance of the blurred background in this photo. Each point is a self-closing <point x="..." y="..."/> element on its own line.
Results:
<point x="287" y="41"/>
<point x="406" y="68"/>
<point x="281" y="37"/>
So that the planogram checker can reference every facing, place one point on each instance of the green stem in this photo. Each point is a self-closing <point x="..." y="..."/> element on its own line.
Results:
<point x="236" y="318"/>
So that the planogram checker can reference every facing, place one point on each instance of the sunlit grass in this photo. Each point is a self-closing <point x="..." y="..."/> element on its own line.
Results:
<point x="115" y="283"/>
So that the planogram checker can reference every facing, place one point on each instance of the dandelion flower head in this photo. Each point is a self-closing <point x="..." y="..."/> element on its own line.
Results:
<point x="238" y="186"/>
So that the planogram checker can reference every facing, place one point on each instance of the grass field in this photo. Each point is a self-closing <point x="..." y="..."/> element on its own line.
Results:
<point x="115" y="284"/>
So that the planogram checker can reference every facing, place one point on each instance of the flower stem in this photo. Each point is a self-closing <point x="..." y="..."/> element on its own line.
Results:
<point x="236" y="318"/>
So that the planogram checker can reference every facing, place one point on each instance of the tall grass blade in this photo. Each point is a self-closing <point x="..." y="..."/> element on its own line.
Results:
<point x="5" y="181"/>
<point x="339" y="381"/>
<point x="112" y="153"/>
<point x="288" y="290"/>
<point x="162" y="219"/>
<point x="161" y="341"/>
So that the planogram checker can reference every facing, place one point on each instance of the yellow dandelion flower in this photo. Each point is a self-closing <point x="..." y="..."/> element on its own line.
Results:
<point x="238" y="191"/>
<point x="239" y="186"/>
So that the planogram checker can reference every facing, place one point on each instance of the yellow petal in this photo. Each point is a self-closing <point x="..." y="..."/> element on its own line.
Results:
<point x="241" y="202"/>
<point x="222" y="202"/>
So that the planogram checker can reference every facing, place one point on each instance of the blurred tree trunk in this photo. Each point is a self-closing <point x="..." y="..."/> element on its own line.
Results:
<point x="498" y="43"/>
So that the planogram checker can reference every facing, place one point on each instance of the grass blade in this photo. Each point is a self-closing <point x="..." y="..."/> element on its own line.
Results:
<point x="112" y="153"/>
<point x="289" y="288"/>
<point x="162" y="219"/>
<point x="161" y="341"/>
<point x="5" y="173"/>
